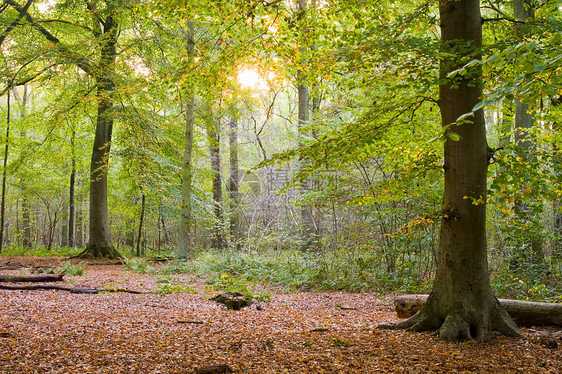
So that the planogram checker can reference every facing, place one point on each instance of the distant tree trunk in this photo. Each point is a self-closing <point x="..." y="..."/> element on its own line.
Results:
<point x="214" y="145"/>
<point x="64" y="234"/>
<point x="529" y="247"/>
<point x="79" y="232"/>
<point x="233" y="182"/>
<point x="461" y="304"/>
<point x="143" y="199"/>
<point x="26" y="219"/>
<point x="186" y="225"/>
<point x="72" y="186"/>
<point x="164" y="230"/>
<point x="308" y="232"/>
<point x="4" y="174"/>
<point x="26" y="223"/>
<point x="557" y="126"/>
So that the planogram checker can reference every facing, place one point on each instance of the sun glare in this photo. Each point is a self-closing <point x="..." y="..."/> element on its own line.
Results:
<point x="250" y="78"/>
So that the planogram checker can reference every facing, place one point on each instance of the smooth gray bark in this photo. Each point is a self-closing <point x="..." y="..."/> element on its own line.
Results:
<point x="461" y="304"/>
<point x="233" y="182"/>
<point x="308" y="227"/>
<point x="185" y="245"/>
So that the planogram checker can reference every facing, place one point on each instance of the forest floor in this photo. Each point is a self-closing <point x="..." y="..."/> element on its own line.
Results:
<point x="298" y="332"/>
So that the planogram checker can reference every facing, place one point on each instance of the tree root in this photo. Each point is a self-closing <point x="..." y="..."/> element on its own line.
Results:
<point x="97" y="252"/>
<point x="460" y="322"/>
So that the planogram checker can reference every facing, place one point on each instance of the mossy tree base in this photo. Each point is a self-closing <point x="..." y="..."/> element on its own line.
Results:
<point x="99" y="252"/>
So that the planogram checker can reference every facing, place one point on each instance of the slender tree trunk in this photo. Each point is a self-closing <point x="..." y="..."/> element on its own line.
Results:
<point x="557" y="126"/>
<point x="214" y="142"/>
<point x="4" y="174"/>
<point x="233" y="182"/>
<point x="308" y="232"/>
<point x="140" y="225"/>
<point x="529" y="247"/>
<point x="26" y="219"/>
<point x="26" y="223"/>
<point x="72" y="186"/>
<point x="461" y="304"/>
<point x="185" y="248"/>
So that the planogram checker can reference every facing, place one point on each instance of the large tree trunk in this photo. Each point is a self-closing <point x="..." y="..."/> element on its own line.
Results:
<point x="99" y="243"/>
<point x="461" y="304"/>
<point x="186" y="223"/>
<point x="525" y="313"/>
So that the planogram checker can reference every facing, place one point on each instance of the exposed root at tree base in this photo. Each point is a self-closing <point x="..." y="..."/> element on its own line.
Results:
<point x="460" y="324"/>
<point x="99" y="252"/>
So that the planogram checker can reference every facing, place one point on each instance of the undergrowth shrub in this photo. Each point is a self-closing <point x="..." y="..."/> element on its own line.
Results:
<point x="351" y="270"/>
<point x="40" y="251"/>
<point x="511" y="284"/>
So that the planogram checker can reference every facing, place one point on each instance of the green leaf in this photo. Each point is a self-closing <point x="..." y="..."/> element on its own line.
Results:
<point x="454" y="136"/>
<point x="481" y="104"/>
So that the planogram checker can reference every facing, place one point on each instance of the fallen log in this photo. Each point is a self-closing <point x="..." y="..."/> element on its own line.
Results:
<point x="33" y="287"/>
<point x="524" y="313"/>
<point x="31" y="278"/>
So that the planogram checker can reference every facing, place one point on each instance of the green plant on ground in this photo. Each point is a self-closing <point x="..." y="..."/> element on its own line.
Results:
<point x="40" y="251"/>
<point x="166" y="288"/>
<point x="337" y="342"/>
<point x="138" y="265"/>
<point x="68" y="268"/>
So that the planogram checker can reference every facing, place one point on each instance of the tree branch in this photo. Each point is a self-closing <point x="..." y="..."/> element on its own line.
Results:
<point x="80" y="61"/>
<point x="15" y="22"/>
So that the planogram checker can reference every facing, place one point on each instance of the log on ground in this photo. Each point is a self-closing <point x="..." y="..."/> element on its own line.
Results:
<point x="524" y="313"/>
<point x="31" y="278"/>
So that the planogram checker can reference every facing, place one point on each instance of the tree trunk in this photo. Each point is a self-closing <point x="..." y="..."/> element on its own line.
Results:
<point x="233" y="182"/>
<point x="140" y="225"/>
<point x="72" y="185"/>
<point x="308" y="232"/>
<point x="461" y="304"/>
<point x="214" y="143"/>
<point x="186" y="223"/>
<point x="26" y="219"/>
<point x="529" y="245"/>
<point x="26" y="223"/>
<point x="4" y="174"/>
<point x="99" y="243"/>
<point x="525" y="313"/>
